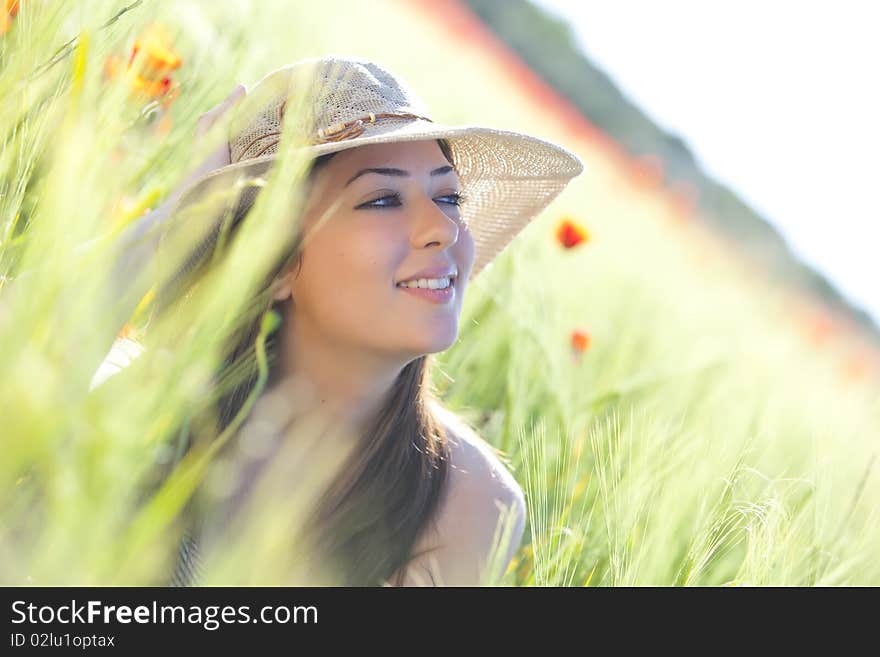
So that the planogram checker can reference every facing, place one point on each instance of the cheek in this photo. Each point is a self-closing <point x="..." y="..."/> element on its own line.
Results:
<point x="348" y="274"/>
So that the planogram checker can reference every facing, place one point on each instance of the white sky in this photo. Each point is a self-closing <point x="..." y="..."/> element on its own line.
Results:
<point x="777" y="100"/>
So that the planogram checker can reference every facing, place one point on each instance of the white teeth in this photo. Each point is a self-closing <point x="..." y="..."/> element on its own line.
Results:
<point x="432" y="283"/>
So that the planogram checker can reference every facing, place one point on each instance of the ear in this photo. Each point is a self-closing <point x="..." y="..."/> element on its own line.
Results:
<point x="281" y="287"/>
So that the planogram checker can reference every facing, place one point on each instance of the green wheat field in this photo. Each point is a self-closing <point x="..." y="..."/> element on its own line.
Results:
<point x="699" y="437"/>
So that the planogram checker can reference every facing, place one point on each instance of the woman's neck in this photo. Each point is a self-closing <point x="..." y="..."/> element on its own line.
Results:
<point x="346" y="383"/>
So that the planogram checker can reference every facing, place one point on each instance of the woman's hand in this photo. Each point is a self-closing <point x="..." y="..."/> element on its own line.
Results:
<point x="219" y="157"/>
<point x="139" y="244"/>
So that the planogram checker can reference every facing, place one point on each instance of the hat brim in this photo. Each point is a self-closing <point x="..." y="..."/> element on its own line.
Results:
<point x="508" y="177"/>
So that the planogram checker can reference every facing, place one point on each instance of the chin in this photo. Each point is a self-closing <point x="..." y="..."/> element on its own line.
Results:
<point x="437" y="344"/>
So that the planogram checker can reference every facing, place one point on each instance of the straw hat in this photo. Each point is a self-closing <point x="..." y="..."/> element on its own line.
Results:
<point x="345" y="102"/>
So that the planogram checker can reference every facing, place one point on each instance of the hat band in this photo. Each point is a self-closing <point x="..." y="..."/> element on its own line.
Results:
<point x="355" y="127"/>
<point x="334" y="133"/>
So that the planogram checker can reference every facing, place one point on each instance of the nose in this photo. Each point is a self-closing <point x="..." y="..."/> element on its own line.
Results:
<point x="433" y="226"/>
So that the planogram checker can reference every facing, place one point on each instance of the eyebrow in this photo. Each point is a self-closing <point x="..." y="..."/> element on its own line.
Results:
<point x="395" y="172"/>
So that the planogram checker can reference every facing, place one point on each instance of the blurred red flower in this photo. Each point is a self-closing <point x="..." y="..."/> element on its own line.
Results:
<point x="569" y="233"/>
<point x="149" y="74"/>
<point x="10" y="10"/>
<point x="580" y="340"/>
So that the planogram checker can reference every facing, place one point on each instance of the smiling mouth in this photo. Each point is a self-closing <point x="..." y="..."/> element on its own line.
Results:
<point x="400" y="284"/>
<point x="443" y="295"/>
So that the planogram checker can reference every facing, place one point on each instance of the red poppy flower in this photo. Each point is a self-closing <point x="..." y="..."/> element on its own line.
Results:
<point x="159" y="57"/>
<point x="149" y="74"/>
<point x="580" y="340"/>
<point x="569" y="234"/>
<point x="10" y="10"/>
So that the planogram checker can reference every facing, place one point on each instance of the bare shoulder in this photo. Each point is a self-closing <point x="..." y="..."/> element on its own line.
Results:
<point x="480" y="519"/>
<point x="474" y="464"/>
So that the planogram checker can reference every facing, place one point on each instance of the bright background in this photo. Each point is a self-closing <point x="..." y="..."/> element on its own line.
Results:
<point x="672" y="416"/>
<point x="778" y="100"/>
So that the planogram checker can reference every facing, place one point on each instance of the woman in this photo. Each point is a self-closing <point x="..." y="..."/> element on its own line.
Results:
<point x="399" y="214"/>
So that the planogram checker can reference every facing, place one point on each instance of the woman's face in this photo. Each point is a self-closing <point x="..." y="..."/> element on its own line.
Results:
<point x="381" y="228"/>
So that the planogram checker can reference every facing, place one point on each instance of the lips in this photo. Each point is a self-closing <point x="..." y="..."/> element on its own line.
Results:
<point x="438" y="271"/>
<point x="415" y="280"/>
<point x="438" y="296"/>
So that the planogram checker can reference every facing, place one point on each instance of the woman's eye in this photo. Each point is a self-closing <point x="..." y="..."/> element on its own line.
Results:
<point x="456" y="199"/>
<point x="372" y="204"/>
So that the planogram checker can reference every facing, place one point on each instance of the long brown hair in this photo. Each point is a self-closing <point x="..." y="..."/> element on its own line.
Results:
<point x="389" y="490"/>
